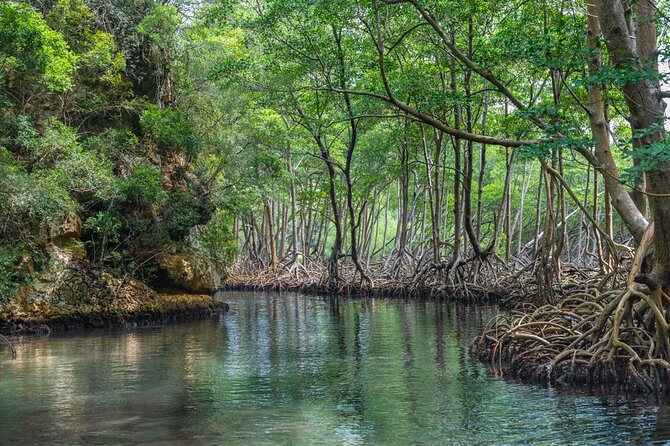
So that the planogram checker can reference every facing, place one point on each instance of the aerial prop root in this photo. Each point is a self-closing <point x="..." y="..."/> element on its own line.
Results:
<point x="589" y="337"/>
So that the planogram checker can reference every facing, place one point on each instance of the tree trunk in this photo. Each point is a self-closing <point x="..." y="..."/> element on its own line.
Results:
<point x="646" y="107"/>
<point x="271" y="237"/>
<point x="621" y="200"/>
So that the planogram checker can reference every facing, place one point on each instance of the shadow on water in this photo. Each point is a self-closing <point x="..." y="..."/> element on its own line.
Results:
<point x="292" y="369"/>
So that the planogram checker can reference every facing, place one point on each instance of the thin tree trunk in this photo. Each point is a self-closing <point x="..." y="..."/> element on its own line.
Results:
<point x="272" y="242"/>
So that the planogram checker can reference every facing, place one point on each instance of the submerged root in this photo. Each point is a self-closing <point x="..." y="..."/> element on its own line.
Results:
<point x="589" y="337"/>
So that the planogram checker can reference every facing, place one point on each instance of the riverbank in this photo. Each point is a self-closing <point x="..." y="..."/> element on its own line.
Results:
<point x="89" y="300"/>
<point x="390" y="288"/>
<point x="594" y="338"/>
<point x="166" y="308"/>
<point x="69" y="293"/>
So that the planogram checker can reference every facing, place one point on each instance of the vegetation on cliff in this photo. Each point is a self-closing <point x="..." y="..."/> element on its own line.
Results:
<point x="103" y="172"/>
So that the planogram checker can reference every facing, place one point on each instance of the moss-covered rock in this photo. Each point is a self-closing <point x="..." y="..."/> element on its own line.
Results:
<point x="81" y="298"/>
<point x="186" y="270"/>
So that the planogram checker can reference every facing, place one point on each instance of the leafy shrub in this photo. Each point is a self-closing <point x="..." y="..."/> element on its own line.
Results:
<point x="88" y="176"/>
<point x="215" y="239"/>
<point x="59" y="159"/>
<point x="11" y="277"/>
<point x="144" y="231"/>
<point x="113" y="144"/>
<point x="144" y="186"/>
<point x="160" y="25"/>
<point x="104" y="228"/>
<point x="33" y="198"/>
<point x="56" y="141"/>
<point x="29" y="46"/>
<point x="170" y="129"/>
<point x="181" y="213"/>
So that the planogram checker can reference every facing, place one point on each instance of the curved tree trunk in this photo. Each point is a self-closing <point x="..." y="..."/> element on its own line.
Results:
<point x="646" y="107"/>
<point x="635" y="222"/>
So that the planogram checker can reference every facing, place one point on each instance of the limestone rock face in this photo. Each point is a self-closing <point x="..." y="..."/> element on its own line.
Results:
<point x="176" y="175"/>
<point x="70" y="228"/>
<point x="66" y="285"/>
<point x="69" y="282"/>
<point x="59" y="260"/>
<point x="66" y="237"/>
<point x="26" y="264"/>
<point x="78" y="285"/>
<point x="188" y="271"/>
<point x="69" y="286"/>
<point x="130" y="294"/>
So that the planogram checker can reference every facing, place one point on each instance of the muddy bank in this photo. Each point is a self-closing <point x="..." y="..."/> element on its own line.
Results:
<point x="593" y="338"/>
<point x="161" y="309"/>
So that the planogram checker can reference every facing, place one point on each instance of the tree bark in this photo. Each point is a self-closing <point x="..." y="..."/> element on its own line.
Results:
<point x="646" y="107"/>
<point x="621" y="199"/>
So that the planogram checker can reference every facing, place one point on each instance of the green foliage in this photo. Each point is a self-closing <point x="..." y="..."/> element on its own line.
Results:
<point x="183" y="211"/>
<point x="170" y="128"/>
<point x="59" y="159"/>
<point x="113" y="144"/>
<point x="72" y="18"/>
<point x="144" y="187"/>
<point x="87" y="175"/>
<point x="104" y="228"/>
<point x="11" y="277"/>
<point x="648" y="157"/>
<point x="56" y="141"/>
<point x="160" y="25"/>
<point x="77" y="137"/>
<point x="259" y="122"/>
<point x="544" y="150"/>
<point x="215" y="239"/>
<point x="29" y="198"/>
<point x="32" y="49"/>
<point x="105" y="224"/>
<point x="610" y="75"/>
<point x="102" y="61"/>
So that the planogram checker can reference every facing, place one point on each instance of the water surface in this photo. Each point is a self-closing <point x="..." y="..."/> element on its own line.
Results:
<point x="298" y="370"/>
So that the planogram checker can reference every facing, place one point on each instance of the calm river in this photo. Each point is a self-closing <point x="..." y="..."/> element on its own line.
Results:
<point x="297" y="370"/>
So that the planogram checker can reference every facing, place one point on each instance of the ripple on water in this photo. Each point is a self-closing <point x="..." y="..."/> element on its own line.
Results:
<point x="290" y="369"/>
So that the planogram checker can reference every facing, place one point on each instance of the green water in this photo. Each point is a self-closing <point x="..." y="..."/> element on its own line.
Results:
<point x="297" y="370"/>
